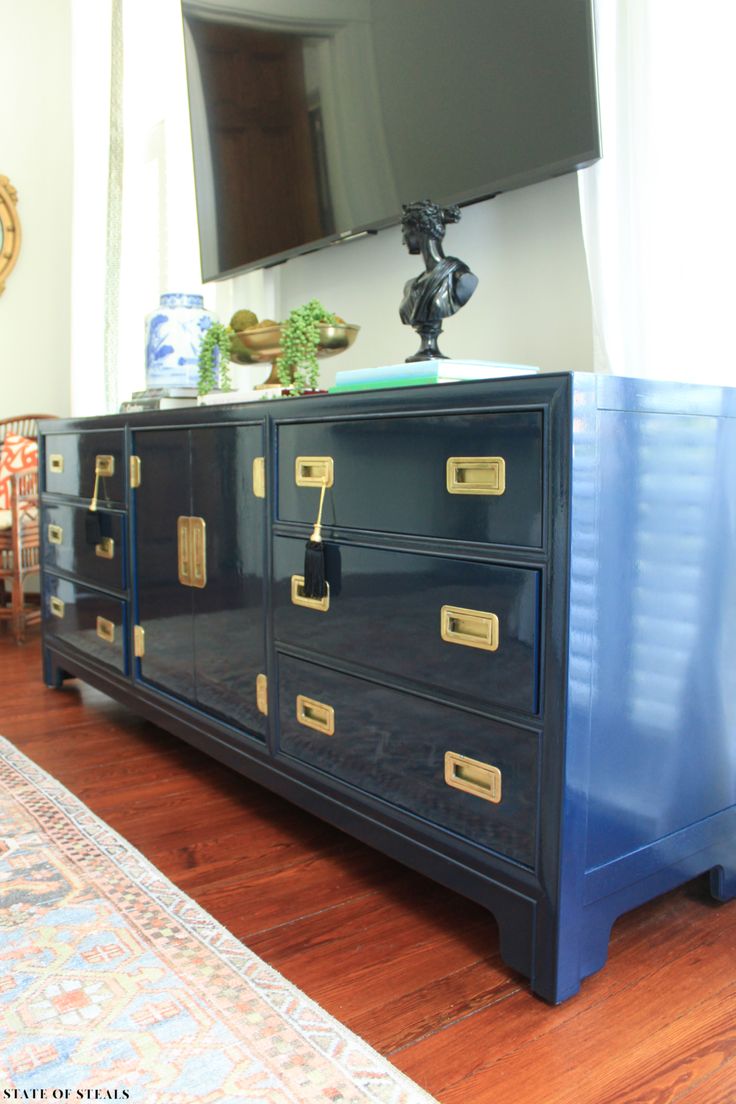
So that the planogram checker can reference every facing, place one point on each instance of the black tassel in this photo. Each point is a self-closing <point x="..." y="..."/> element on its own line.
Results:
<point x="315" y="584"/>
<point x="93" y="527"/>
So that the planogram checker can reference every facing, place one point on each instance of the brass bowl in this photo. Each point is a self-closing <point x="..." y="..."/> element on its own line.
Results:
<point x="265" y="344"/>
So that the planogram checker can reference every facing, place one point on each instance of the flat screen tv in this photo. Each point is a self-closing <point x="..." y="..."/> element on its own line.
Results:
<point x="315" y="120"/>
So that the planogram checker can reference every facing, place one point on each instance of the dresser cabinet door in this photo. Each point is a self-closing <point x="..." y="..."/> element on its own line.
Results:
<point x="229" y="643"/>
<point x="164" y="607"/>
<point x="199" y="568"/>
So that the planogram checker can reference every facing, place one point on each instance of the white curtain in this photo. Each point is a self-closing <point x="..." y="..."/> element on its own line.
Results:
<point x="135" y="224"/>
<point x="659" y="209"/>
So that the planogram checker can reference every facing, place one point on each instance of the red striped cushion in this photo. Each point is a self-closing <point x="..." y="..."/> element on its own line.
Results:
<point x="18" y="454"/>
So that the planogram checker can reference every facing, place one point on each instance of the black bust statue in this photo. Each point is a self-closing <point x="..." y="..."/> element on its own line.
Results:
<point x="446" y="284"/>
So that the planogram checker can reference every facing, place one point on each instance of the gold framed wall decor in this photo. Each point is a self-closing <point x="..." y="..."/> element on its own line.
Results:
<point x="9" y="230"/>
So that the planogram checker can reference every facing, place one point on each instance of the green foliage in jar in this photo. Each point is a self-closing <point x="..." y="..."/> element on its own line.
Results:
<point x="297" y="366"/>
<point x="214" y="359"/>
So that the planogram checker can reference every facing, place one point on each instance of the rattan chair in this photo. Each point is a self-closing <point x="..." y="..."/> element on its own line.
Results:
<point x="20" y="539"/>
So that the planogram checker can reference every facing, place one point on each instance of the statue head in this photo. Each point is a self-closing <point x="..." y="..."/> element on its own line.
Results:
<point x="425" y="219"/>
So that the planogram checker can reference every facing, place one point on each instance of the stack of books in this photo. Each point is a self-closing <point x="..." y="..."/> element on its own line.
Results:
<point x="160" y="398"/>
<point x="425" y="371"/>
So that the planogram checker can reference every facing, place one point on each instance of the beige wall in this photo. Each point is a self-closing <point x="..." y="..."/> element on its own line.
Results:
<point x="36" y="154"/>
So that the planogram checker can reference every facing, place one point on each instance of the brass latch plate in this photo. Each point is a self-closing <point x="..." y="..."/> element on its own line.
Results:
<point x="135" y="472"/>
<point x="259" y="477"/>
<point x="262" y="694"/>
<point x="191" y="535"/>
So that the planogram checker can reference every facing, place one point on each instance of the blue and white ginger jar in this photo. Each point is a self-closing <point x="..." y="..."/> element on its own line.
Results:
<point x="173" y="339"/>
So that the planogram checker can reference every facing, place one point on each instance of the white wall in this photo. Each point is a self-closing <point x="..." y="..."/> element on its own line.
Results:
<point x="532" y="304"/>
<point x="36" y="155"/>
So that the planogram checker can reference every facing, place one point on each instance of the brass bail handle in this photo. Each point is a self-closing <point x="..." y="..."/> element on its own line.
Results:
<point x="93" y="503"/>
<point x="104" y="465"/>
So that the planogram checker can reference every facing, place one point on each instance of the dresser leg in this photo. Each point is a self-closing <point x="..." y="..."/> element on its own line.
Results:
<point x="723" y="883"/>
<point x="53" y="675"/>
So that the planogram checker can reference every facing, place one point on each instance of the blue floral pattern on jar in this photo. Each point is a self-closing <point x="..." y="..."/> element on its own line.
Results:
<point x="173" y="340"/>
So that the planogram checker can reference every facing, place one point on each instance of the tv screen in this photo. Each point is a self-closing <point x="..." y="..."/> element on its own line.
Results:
<point x="315" y="120"/>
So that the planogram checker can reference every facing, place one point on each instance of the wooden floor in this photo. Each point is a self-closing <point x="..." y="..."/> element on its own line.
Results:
<point x="407" y="965"/>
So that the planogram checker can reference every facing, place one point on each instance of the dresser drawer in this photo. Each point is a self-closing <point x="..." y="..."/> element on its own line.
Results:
<point x="392" y="475"/>
<point x="73" y="459"/>
<point x="68" y="545"/>
<point x="94" y="623"/>
<point x="395" y="746"/>
<point x="397" y="613"/>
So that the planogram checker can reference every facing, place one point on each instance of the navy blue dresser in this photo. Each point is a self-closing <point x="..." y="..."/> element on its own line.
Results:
<point x="520" y="681"/>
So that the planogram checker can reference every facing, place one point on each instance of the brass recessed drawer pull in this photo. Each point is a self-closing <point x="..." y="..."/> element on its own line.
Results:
<point x="298" y="597"/>
<point x="104" y="465"/>
<point x="314" y="471"/>
<point x="473" y="777"/>
<point x="315" y="715"/>
<point x="56" y="534"/>
<point x="106" y="630"/>
<point x="476" y="475"/>
<point x="472" y="628"/>
<point x="56" y="606"/>
<point x="56" y="463"/>
<point x="105" y="549"/>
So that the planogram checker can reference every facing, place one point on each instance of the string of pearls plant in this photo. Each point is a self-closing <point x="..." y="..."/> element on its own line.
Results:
<point x="214" y="359"/>
<point x="297" y="366"/>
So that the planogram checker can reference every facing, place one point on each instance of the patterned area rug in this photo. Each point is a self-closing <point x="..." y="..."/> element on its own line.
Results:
<point x="114" y="985"/>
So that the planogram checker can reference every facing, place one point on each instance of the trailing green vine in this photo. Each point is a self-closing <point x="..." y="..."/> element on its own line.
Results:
<point x="214" y="359"/>
<point x="297" y="366"/>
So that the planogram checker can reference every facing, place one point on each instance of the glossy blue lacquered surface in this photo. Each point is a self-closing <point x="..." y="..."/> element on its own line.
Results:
<point x="390" y="474"/>
<point x="651" y="715"/>
<point x="392" y="744"/>
<point x="385" y="613"/>
<point x="99" y="559"/>
<point x="609" y="707"/>
<point x="76" y="455"/>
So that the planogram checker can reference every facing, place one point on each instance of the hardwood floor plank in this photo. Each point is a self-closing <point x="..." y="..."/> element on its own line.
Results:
<point x="656" y="973"/>
<point x="412" y="968"/>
